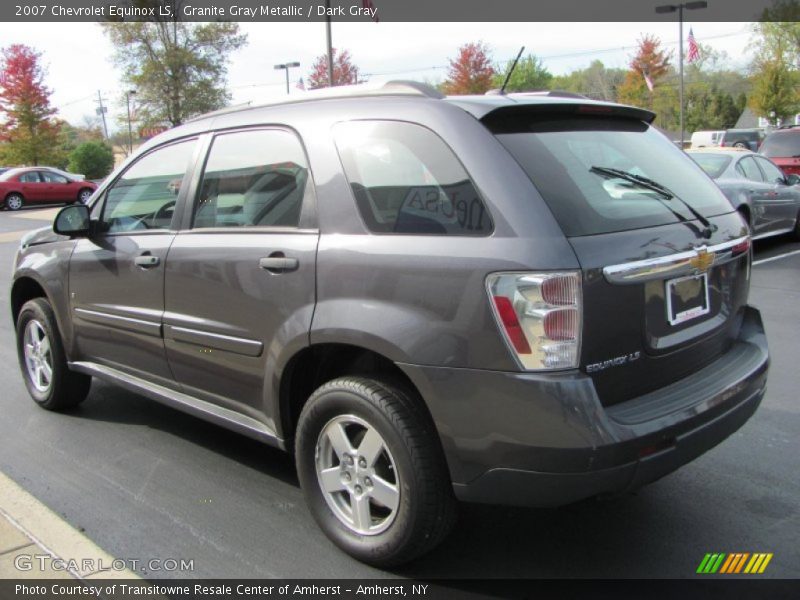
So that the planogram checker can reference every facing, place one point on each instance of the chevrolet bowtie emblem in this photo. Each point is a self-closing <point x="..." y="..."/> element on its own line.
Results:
<point x="703" y="261"/>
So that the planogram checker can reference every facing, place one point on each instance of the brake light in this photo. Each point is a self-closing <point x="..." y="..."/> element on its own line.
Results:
<point x="540" y="317"/>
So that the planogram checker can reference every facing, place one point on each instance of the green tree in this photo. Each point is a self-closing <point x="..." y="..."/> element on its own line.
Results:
<point x="178" y="69"/>
<point x="596" y="81"/>
<point x="530" y="74"/>
<point x="30" y="134"/>
<point x="774" y="95"/>
<point x="94" y="159"/>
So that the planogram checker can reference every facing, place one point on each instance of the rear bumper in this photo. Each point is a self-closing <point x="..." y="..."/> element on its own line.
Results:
<point x="545" y="439"/>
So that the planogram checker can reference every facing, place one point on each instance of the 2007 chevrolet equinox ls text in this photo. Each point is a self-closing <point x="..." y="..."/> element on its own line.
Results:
<point x="523" y="299"/>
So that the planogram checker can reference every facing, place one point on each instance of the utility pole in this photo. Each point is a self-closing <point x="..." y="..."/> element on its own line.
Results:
<point x="128" y="95"/>
<point x="102" y="110"/>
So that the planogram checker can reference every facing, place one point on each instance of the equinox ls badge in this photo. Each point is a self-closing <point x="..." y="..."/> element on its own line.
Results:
<point x="613" y="362"/>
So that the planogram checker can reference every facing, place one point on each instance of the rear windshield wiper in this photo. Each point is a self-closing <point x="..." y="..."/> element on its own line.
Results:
<point x="659" y="189"/>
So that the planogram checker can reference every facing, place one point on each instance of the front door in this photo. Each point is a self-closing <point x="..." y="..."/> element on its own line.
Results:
<point x="785" y="197"/>
<point x="240" y="281"/>
<point x="116" y="279"/>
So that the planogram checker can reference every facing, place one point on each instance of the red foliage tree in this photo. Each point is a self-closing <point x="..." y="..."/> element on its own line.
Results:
<point x="344" y="71"/>
<point x="650" y="59"/>
<point x="30" y="135"/>
<point x="471" y="71"/>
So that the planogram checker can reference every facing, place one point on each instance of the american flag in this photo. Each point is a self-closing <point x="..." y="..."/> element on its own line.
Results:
<point x="694" y="50"/>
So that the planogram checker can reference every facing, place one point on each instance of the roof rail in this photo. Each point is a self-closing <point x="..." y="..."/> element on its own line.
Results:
<point x="388" y="88"/>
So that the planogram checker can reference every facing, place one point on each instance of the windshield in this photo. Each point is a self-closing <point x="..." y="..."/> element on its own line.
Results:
<point x="561" y="157"/>
<point x="713" y="164"/>
<point x="782" y="144"/>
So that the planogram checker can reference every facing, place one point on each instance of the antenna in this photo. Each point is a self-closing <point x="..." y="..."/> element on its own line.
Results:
<point x="511" y="70"/>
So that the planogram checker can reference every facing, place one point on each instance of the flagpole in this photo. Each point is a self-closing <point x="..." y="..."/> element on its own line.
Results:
<point x="329" y="42"/>
<point x="680" y="54"/>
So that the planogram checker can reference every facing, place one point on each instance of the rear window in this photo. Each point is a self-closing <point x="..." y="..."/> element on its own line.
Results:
<point x="713" y="164"/>
<point x="782" y="144"/>
<point x="406" y="180"/>
<point x="572" y="161"/>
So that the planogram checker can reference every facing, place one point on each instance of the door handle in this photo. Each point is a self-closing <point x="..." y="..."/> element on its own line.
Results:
<point x="146" y="261"/>
<point x="277" y="262"/>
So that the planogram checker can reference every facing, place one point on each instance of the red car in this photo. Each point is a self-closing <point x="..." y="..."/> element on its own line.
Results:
<point x="38" y="185"/>
<point x="783" y="148"/>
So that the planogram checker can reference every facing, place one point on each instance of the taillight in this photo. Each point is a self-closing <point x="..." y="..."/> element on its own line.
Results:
<point x="540" y="317"/>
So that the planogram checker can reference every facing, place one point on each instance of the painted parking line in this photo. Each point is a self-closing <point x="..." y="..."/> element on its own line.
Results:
<point x="778" y="257"/>
<point x="36" y="543"/>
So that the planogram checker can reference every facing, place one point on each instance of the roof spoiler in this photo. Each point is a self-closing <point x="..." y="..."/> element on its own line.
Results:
<point x="500" y="116"/>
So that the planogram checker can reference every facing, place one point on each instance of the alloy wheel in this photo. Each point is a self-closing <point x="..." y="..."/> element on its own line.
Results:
<point x="38" y="356"/>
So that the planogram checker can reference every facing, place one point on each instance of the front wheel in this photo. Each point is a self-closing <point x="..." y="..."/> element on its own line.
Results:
<point x="41" y="357"/>
<point x="84" y="195"/>
<point x="372" y="471"/>
<point x="14" y="201"/>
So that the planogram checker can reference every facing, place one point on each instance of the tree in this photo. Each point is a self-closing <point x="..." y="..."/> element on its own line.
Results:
<point x="530" y="74"/>
<point x="178" y="69"/>
<point x="471" y="72"/>
<point x="650" y="63"/>
<point x="595" y="81"/>
<point x="344" y="71"/>
<point x="94" y="159"/>
<point x="30" y="134"/>
<point x="774" y="95"/>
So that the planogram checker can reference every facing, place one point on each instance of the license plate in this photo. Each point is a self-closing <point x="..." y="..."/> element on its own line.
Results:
<point x="687" y="298"/>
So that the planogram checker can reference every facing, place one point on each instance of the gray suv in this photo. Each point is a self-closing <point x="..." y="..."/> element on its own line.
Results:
<point x="526" y="299"/>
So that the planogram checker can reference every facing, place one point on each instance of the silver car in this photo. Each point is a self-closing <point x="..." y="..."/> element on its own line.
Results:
<point x="767" y="199"/>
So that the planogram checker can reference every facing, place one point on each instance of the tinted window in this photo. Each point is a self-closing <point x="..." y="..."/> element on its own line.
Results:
<point x="144" y="196"/>
<point x="571" y="162"/>
<point x="771" y="173"/>
<point x="749" y="169"/>
<point x="713" y="164"/>
<point x="782" y="144"/>
<point x="52" y="177"/>
<point x="252" y="178"/>
<point x="406" y="180"/>
<point x="30" y="177"/>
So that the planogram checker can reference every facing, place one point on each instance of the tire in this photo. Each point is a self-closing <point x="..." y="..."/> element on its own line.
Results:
<point x="14" y="201"/>
<point x="796" y="232"/>
<point x="84" y="195"/>
<point x="62" y="388"/>
<point x="408" y="523"/>
<point x="740" y="145"/>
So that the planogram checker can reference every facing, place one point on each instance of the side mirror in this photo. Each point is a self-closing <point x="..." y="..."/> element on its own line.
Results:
<point x="73" y="221"/>
<point x="792" y="179"/>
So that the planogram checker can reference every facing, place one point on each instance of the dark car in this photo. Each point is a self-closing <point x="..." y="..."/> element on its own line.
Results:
<point x="767" y="199"/>
<point x="782" y="147"/>
<point x="521" y="299"/>
<point x="22" y="186"/>
<point x="751" y="139"/>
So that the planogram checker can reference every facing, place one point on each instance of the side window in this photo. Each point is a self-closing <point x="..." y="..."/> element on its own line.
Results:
<point x="29" y="177"/>
<point x="749" y="169"/>
<point x="144" y="196"/>
<point x="48" y="177"/>
<point x="405" y="179"/>
<point x="252" y="179"/>
<point x="771" y="173"/>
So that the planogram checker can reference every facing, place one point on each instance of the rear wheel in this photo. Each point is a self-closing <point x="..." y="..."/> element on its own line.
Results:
<point x="372" y="472"/>
<point x="41" y="357"/>
<point x="740" y="145"/>
<point x="14" y="201"/>
<point x="84" y="195"/>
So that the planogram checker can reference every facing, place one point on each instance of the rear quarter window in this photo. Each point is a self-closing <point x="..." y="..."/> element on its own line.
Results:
<point x="406" y="180"/>
<point x="781" y="144"/>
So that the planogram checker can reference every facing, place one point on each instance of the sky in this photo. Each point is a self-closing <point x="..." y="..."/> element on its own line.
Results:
<point x="78" y="57"/>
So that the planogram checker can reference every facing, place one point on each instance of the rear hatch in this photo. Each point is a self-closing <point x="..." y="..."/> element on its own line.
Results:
<point x="783" y="147"/>
<point x="664" y="257"/>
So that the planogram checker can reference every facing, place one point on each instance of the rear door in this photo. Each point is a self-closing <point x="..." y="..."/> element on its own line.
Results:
<point x="240" y="280"/>
<point x="663" y="255"/>
<point x="33" y="188"/>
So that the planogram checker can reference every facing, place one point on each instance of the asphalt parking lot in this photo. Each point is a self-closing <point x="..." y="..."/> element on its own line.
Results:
<point x="144" y="481"/>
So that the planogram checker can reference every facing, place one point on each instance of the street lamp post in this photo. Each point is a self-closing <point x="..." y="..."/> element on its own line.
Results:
<point x="679" y="8"/>
<point x="128" y="95"/>
<point x="286" y="67"/>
